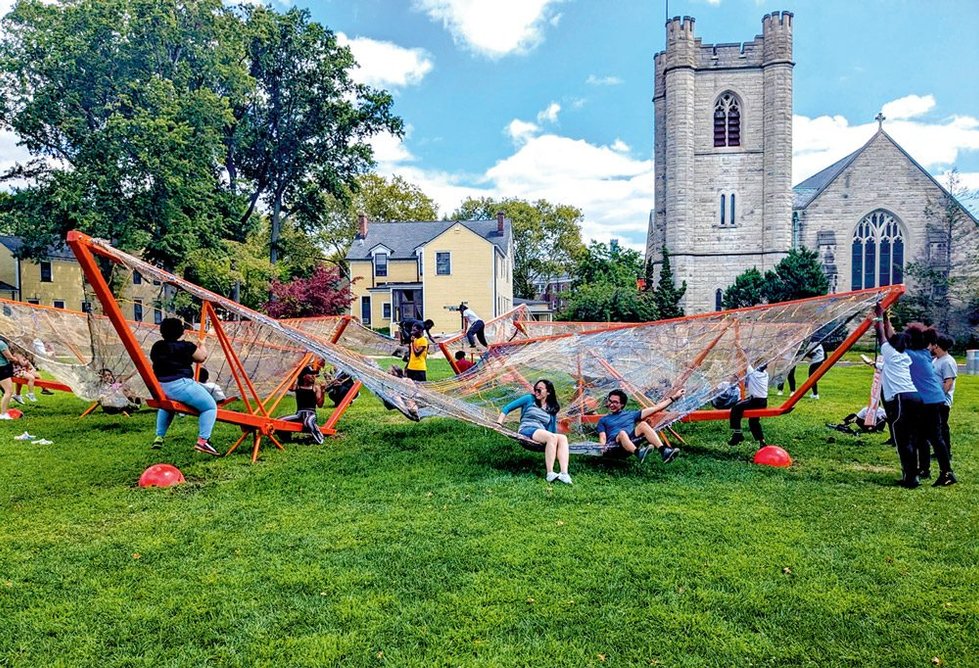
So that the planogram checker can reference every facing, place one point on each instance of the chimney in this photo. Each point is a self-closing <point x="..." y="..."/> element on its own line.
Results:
<point x="362" y="225"/>
<point x="499" y="222"/>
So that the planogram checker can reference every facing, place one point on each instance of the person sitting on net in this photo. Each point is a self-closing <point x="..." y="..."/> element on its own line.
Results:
<point x="462" y="364"/>
<point x="173" y="364"/>
<point x="338" y="387"/>
<point x="203" y="376"/>
<point x="856" y="423"/>
<point x="756" y="386"/>
<point x="538" y="423"/>
<point x="24" y="369"/>
<point x="309" y="397"/>
<point x="622" y="426"/>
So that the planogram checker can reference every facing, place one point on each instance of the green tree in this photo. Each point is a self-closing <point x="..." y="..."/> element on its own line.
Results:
<point x="667" y="295"/>
<point x="798" y="275"/>
<point x="747" y="290"/>
<point x="304" y="129"/>
<point x="609" y="263"/>
<point x="546" y="236"/>
<point x="604" y="286"/>
<point x="122" y="104"/>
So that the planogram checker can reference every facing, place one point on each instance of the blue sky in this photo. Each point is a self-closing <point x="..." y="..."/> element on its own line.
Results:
<point x="552" y="98"/>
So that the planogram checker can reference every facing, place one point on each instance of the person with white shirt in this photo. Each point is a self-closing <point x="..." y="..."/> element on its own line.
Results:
<point x="816" y="356"/>
<point x="475" y="326"/>
<point x="756" y="390"/>
<point x="947" y="371"/>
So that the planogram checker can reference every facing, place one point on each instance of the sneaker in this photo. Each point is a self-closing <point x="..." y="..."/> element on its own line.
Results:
<point x="42" y="441"/>
<point x="814" y="396"/>
<point x="566" y="479"/>
<point x="31" y="397"/>
<point x="924" y="474"/>
<point x="736" y="438"/>
<point x="641" y="454"/>
<point x="206" y="447"/>
<point x="945" y="479"/>
<point x="780" y="393"/>
<point x="157" y="443"/>
<point x="668" y="454"/>
<point x="6" y="416"/>
<point x="18" y="399"/>
<point x="25" y="437"/>
<point x="551" y="476"/>
<point x="909" y="482"/>
<point x="45" y="390"/>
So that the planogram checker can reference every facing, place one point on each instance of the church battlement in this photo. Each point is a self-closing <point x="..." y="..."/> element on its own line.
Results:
<point x="777" y="37"/>
<point x="684" y="49"/>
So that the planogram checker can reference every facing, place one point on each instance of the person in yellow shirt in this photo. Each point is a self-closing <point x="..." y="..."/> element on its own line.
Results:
<point x="417" y="368"/>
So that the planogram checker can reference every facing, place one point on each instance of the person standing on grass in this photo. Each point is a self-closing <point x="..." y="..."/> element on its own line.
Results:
<point x="620" y="427"/>
<point x="7" y="360"/>
<point x="475" y="326"/>
<point x="816" y="356"/>
<point x="756" y="385"/>
<point x="538" y="422"/>
<point x="417" y="368"/>
<point x="947" y="371"/>
<point x="928" y="428"/>
<point x="173" y="364"/>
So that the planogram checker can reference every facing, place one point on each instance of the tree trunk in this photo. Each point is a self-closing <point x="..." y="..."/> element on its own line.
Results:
<point x="276" y="225"/>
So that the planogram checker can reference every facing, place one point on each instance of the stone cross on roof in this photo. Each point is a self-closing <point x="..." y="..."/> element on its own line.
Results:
<point x="880" y="118"/>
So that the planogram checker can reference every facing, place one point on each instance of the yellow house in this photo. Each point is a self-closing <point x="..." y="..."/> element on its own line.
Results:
<point x="423" y="270"/>
<point x="57" y="281"/>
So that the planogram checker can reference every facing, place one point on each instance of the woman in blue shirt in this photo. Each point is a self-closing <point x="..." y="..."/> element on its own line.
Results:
<point x="538" y="422"/>
<point x="928" y="430"/>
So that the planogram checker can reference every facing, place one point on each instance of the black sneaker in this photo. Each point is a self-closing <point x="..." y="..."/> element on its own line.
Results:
<point x="45" y="390"/>
<point x="206" y="448"/>
<point x="736" y="437"/>
<point x="924" y="474"/>
<point x="909" y="482"/>
<point x="945" y="479"/>
<point x="641" y="454"/>
<point x="668" y="454"/>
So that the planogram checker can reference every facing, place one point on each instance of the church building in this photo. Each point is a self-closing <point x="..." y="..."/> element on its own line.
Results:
<point x="723" y="164"/>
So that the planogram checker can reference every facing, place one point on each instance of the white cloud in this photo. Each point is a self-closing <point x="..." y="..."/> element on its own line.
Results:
<point x="620" y="146"/>
<point x="549" y="114"/>
<point x="492" y="29"/>
<point x="594" y="80"/>
<point x="908" y="106"/>
<point x="520" y="131"/>
<point x="385" y="64"/>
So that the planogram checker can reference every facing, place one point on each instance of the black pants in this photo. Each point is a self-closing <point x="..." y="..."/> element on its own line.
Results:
<point x="791" y="378"/>
<point x="903" y="413"/>
<point x="419" y="375"/>
<point x="813" y="367"/>
<point x="946" y="434"/>
<point x="928" y="435"/>
<point x="754" y="424"/>
<point x="477" y="331"/>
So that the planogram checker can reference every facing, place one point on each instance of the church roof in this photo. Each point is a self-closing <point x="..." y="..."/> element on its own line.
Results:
<point x="804" y="193"/>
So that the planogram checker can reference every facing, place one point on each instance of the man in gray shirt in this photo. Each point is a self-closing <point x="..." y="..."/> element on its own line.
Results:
<point x="947" y="371"/>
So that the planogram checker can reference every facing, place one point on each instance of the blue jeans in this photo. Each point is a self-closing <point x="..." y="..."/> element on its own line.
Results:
<point x="190" y="392"/>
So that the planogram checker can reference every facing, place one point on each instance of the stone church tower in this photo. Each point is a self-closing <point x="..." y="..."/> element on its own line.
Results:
<point x="723" y="156"/>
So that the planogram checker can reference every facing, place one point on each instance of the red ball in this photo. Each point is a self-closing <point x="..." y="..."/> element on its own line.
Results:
<point x="161" y="475"/>
<point x="772" y="455"/>
<point x="15" y="413"/>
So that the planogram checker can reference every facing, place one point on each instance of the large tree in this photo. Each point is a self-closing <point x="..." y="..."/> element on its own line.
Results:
<point x="546" y="236"/>
<point x="605" y="286"/>
<point x="304" y="130"/>
<point x="122" y="104"/>
<point x="796" y="276"/>
<point x="667" y="295"/>
<point x="747" y="290"/>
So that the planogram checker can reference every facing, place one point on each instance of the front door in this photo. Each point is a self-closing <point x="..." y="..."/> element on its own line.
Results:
<point x="407" y="303"/>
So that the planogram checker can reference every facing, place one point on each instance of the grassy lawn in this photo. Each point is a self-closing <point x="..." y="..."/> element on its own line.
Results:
<point x="440" y="544"/>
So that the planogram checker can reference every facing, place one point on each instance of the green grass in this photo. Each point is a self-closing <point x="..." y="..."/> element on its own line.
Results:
<point x="438" y="543"/>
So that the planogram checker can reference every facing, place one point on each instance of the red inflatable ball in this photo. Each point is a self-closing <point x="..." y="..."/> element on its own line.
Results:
<point x="772" y="455"/>
<point x="15" y="413"/>
<point x="161" y="475"/>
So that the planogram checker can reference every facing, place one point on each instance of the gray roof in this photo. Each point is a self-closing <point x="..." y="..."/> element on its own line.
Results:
<point x="14" y="244"/>
<point x="402" y="238"/>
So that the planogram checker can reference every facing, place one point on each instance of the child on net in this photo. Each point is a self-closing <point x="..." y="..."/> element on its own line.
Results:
<point x="855" y="423"/>
<point x="309" y="397"/>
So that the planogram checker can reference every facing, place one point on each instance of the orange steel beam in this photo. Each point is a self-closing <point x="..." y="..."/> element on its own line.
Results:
<point x="340" y="409"/>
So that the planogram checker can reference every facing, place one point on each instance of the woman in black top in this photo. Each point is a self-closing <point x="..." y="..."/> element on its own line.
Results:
<point x="173" y="364"/>
<point x="309" y="397"/>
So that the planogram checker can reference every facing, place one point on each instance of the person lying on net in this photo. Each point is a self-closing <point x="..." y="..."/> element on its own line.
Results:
<point x="620" y="427"/>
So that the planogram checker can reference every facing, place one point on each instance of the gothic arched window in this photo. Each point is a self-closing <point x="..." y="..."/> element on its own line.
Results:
<point x="727" y="120"/>
<point x="877" y="253"/>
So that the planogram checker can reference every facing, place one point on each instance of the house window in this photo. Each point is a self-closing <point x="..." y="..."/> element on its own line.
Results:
<point x="443" y="263"/>
<point x="157" y="316"/>
<point x="365" y="310"/>
<point x="723" y="210"/>
<point x="34" y="300"/>
<point x="381" y="264"/>
<point x="727" y="215"/>
<point x="727" y="120"/>
<point x="734" y="221"/>
<point x="137" y="278"/>
<point x="877" y="253"/>
<point x="138" y="310"/>
<point x="59" y="303"/>
<point x="386" y="310"/>
<point x="421" y="264"/>
<point x="86" y="307"/>
<point x="718" y="299"/>
<point x="45" y="272"/>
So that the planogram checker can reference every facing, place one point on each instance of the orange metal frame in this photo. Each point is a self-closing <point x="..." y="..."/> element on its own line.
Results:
<point x="256" y="421"/>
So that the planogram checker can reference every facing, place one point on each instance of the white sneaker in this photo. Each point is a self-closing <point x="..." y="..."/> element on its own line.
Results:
<point x="814" y="396"/>
<point x="25" y="437"/>
<point x="6" y="416"/>
<point x="31" y="397"/>
<point x="780" y="393"/>
<point x="564" y="477"/>
<point x="18" y="399"/>
<point x="42" y="441"/>
<point x="551" y="476"/>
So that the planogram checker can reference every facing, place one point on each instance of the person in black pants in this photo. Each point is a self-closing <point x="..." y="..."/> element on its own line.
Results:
<point x="756" y="385"/>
